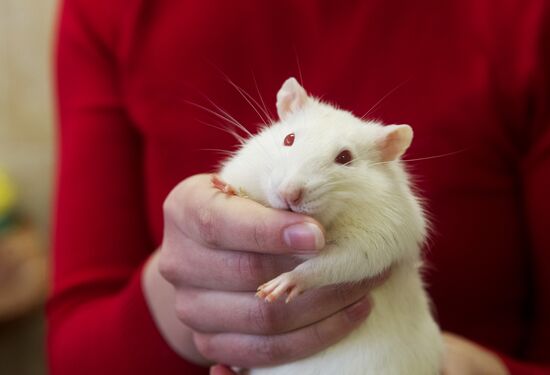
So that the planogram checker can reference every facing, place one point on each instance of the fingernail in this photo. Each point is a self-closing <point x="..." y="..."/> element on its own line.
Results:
<point x="306" y="237"/>
<point x="359" y="310"/>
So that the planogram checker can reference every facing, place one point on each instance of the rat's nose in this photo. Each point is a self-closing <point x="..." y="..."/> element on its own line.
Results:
<point x="292" y="196"/>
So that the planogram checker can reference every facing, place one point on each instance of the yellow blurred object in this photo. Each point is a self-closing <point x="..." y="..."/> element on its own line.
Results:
<point x="7" y="194"/>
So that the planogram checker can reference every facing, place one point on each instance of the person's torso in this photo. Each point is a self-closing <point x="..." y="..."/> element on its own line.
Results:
<point x="433" y="65"/>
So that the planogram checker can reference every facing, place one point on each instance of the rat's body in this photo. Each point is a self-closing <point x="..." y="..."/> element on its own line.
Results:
<point x="346" y="173"/>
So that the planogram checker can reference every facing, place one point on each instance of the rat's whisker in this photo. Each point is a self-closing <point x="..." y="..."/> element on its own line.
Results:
<point x="384" y="98"/>
<point x="421" y="159"/>
<point x="218" y="115"/>
<point x="251" y="101"/>
<point x="246" y="96"/>
<point x="264" y="107"/>
<point x="219" y="151"/>
<point x="299" y="67"/>
<point x="225" y="129"/>
<point x="230" y="118"/>
<point x="435" y="156"/>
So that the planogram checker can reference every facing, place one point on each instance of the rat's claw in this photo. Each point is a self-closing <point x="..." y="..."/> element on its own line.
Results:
<point x="222" y="185"/>
<point x="266" y="289"/>
<point x="284" y="283"/>
<point x="261" y="293"/>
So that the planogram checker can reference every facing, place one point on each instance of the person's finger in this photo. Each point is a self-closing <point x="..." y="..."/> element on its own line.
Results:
<point x="220" y="220"/>
<point x="246" y="313"/>
<point x="226" y="270"/>
<point x="221" y="370"/>
<point x="256" y="351"/>
<point x="217" y="269"/>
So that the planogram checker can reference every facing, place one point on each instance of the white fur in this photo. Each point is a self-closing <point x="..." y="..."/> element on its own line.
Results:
<point x="373" y="221"/>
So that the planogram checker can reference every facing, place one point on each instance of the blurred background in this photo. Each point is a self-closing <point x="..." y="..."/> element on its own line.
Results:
<point x="26" y="171"/>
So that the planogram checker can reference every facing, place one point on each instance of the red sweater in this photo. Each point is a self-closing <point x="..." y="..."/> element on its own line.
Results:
<point x="472" y="77"/>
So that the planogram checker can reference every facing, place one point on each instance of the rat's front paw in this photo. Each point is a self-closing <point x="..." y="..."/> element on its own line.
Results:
<point x="288" y="282"/>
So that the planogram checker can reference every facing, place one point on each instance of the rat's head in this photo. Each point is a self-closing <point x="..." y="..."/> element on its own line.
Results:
<point x="319" y="160"/>
<point x="322" y="159"/>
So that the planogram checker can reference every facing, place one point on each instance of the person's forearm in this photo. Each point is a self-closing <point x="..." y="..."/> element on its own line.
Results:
<point x="160" y="297"/>
<point x="464" y="357"/>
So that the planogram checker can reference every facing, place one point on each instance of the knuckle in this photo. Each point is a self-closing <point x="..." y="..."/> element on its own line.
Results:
<point x="183" y="314"/>
<point x="339" y="294"/>
<point x="176" y="272"/>
<point x="184" y="309"/>
<point x="167" y="269"/>
<point x="171" y="205"/>
<point x="265" y="318"/>
<point x="271" y="351"/>
<point x="168" y="205"/>
<point x="181" y="202"/>
<point x="250" y="266"/>
<point x="203" y="344"/>
<point x="206" y="226"/>
<point x="318" y="336"/>
<point x="261" y="234"/>
<point x="344" y="293"/>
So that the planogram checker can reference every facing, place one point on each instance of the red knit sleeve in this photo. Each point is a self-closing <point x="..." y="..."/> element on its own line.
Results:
<point x="521" y="368"/>
<point x="536" y="172"/>
<point x="97" y="316"/>
<point x="536" y="187"/>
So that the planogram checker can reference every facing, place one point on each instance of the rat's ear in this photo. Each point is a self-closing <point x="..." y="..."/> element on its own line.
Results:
<point x="394" y="141"/>
<point x="290" y="98"/>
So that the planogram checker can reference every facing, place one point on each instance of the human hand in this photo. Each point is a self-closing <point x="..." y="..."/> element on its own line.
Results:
<point x="463" y="357"/>
<point x="217" y="249"/>
<point x="221" y="370"/>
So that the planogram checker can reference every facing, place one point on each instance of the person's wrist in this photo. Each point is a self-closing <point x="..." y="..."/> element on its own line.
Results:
<point x="463" y="356"/>
<point x="159" y="295"/>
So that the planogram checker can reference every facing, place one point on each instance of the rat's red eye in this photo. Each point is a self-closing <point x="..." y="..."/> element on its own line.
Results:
<point x="289" y="139"/>
<point x="344" y="157"/>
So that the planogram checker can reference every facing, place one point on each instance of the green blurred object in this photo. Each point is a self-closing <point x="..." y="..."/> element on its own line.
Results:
<point x="8" y="197"/>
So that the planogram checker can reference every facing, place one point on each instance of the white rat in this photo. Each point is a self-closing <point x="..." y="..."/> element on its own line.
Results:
<point x="326" y="163"/>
